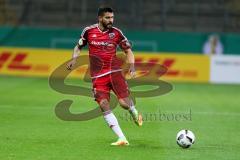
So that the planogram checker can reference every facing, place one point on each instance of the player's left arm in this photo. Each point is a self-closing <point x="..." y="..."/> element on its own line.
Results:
<point x="130" y="61"/>
<point x="125" y="45"/>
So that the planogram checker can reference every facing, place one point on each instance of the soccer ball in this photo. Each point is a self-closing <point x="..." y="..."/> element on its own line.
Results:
<point x="185" y="138"/>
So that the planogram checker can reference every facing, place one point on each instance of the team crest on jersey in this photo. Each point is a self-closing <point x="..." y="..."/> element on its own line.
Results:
<point x="111" y="35"/>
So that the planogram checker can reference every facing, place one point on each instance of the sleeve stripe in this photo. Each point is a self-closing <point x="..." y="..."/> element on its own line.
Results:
<point x="87" y="28"/>
<point x="125" y="38"/>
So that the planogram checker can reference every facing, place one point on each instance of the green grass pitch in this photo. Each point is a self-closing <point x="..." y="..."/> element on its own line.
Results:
<point x="29" y="129"/>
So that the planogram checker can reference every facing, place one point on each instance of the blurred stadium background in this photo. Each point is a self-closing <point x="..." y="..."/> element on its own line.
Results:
<point x="36" y="36"/>
<point x="181" y="24"/>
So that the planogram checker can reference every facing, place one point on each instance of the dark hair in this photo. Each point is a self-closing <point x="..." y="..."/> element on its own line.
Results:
<point x="102" y="10"/>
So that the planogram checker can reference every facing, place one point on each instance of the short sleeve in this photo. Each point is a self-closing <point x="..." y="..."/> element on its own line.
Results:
<point x="123" y="41"/>
<point x="83" y="38"/>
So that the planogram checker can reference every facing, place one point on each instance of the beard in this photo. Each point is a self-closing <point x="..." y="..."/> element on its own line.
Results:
<point x="108" y="25"/>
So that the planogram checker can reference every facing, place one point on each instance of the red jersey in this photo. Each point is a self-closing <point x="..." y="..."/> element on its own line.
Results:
<point x="102" y="47"/>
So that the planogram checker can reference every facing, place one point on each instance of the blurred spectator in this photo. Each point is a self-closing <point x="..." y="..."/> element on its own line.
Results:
<point x="213" y="46"/>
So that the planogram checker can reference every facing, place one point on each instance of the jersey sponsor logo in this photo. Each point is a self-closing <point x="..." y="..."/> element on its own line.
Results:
<point x="99" y="43"/>
<point x="106" y="44"/>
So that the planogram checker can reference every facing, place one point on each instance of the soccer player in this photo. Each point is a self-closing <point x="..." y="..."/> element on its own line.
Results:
<point x="105" y="68"/>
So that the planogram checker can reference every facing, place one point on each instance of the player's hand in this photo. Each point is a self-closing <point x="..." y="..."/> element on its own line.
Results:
<point x="132" y="71"/>
<point x="71" y="64"/>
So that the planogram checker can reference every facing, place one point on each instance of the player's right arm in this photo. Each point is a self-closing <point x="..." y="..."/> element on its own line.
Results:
<point x="75" y="55"/>
<point x="76" y="51"/>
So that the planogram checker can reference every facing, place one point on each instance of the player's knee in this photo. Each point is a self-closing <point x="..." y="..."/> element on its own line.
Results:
<point x="123" y="103"/>
<point x="104" y="104"/>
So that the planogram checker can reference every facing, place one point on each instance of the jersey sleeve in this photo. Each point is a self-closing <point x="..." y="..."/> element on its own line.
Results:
<point x="123" y="41"/>
<point x="83" y="38"/>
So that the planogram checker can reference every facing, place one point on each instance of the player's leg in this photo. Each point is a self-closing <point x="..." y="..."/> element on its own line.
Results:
<point x="120" y="88"/>
<point x="112" y="122"/>
<point x="102" y="96"/>
<point x="128" y="104"/>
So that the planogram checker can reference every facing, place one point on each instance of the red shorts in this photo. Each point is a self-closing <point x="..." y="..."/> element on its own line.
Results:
<point x="113" y="81"/>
